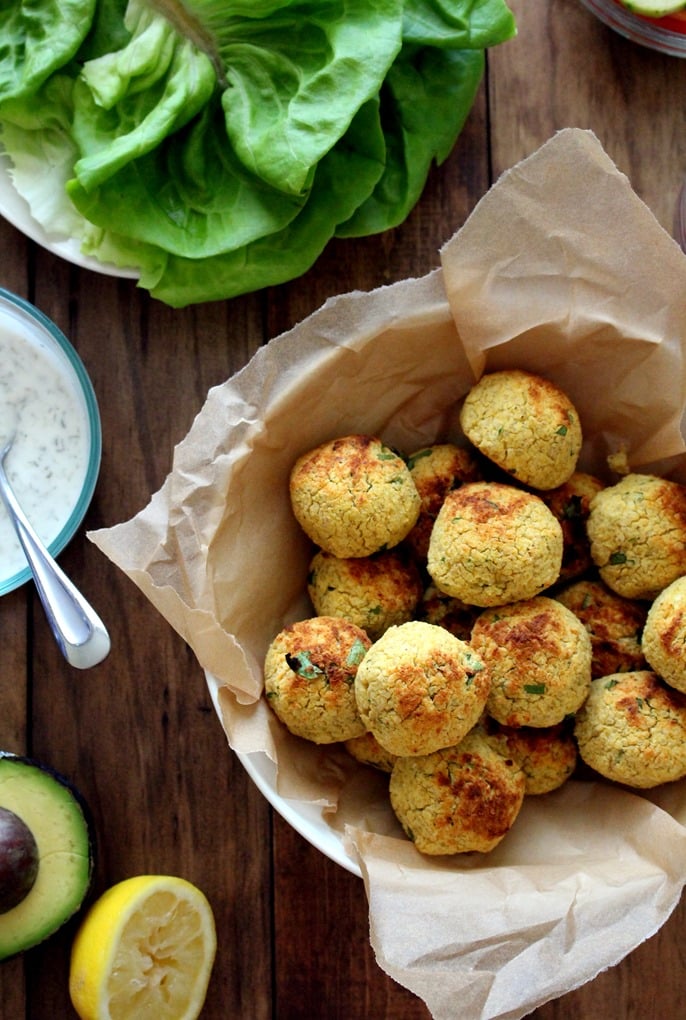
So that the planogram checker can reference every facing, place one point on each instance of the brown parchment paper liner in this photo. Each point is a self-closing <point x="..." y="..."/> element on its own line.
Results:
<point x="560" y="269"/>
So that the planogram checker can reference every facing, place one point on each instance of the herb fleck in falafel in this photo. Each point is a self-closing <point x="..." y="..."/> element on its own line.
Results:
<point x="353" y="496"/>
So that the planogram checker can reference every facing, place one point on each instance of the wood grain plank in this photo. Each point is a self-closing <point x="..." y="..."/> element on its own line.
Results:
<point x="325" y="965"/>
<point x="566" y="69"/>
<point x="14" y="675"/>
<point x="138" y="734"/>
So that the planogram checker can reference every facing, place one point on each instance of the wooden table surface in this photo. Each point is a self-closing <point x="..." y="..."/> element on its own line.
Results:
<point x="138" y="734"/>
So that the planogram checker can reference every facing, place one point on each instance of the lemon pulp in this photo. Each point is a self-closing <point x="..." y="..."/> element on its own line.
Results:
<point x="144" y="949"/>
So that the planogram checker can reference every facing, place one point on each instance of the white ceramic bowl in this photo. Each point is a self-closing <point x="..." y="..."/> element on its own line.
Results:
<point x="62" y="436"/>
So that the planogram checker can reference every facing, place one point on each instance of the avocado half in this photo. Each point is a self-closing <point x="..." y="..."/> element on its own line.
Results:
<point x="56" y="815"/>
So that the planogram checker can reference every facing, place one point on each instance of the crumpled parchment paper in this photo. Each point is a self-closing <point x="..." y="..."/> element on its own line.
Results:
<point x="562" y="270"/>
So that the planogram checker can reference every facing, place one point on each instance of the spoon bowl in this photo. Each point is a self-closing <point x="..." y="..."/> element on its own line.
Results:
<point x="80" y="633"/>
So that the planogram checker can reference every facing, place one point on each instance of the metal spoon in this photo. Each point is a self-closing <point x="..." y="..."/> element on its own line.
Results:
<point x="79" y="631"/>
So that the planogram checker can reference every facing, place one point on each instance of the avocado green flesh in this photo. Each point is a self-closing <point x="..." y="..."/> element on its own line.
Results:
<point x="45" y="802"/>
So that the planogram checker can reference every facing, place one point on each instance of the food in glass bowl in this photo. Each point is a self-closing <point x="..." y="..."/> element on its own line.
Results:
<point x="659" y="26"/>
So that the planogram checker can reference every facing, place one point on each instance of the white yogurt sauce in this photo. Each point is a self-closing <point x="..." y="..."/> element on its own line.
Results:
<point x="40" y="401"/>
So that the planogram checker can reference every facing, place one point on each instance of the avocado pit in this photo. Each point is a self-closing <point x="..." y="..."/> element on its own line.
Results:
<point x="18" y="860"/>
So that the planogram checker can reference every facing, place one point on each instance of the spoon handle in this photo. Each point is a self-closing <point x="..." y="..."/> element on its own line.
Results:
<point x="78" y="630"/>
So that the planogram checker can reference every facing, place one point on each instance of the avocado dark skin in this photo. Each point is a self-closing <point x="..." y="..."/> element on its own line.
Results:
<point x="18" y="860"/>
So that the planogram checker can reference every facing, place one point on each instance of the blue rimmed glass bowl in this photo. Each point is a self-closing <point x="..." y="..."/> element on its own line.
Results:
<point x="47" y="400"/>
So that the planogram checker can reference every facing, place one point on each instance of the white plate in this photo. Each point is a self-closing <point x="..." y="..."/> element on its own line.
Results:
<point x="16" y="211"/>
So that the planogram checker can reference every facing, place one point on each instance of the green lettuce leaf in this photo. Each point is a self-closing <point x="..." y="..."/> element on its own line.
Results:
<point x="126" y="103"/>
<point x="107" y="32"/>
<point x="458" y="24"/>
<point x="342" y="180"/>
<point x="295" y="81"/>
<point x="37" y="132"/>
<point x="190" y="196"/>
<point x="425" y="99"/>
<point x="37" y="39"/>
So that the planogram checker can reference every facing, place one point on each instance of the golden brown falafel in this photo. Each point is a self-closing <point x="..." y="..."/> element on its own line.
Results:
<point x="614" y="624"/>
<point x="538" y="656"/>
<point x="637" y="531"/>
<point x="547" y="755"/>
<point x="368" y="751"/>
<point x="309" y="678"/>
<point x="353" y="496"/>
<point x="445" y="611"/>
<point x="375" y="592"/>
<point x="632" y="730"/>
<point x="419" y="688"/>
<point x="458" y="799"/>
<point x="664" y="635"/>
<point x="526" y="425"/>
<point x="435" y="471"/>
<point x="492" y="544"/>
<point x="570" y="503"/>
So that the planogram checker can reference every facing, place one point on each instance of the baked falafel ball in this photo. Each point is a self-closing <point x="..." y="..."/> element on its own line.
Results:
<point x="614" y="624"/>
<point x="368" y="751"/>
<point x="458" y="799"/>
<point x="637" y="531"/>
<point x="493" y="543"/>
<point x="435" y="471"/>
<point x="353" y="496"/>
<point x="526" y="425"/>
<point x="571" y="503"/>
<point x="445" y="611"/>
<point x="547" y="755"/>
<point x="374" y="592"/>
<point x="664" y="635"/>
<point x="632" y="730"/>
<point x="419" y="688"/>
<point x="309" y="678"/>
<point x="538" y="656"/>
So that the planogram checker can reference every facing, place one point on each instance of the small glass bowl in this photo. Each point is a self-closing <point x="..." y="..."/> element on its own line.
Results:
<point x="661" y="34"/>
<point x="50" y="350"/>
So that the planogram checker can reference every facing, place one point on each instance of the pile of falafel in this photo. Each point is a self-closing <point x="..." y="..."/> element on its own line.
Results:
<point x="487" y="619"/>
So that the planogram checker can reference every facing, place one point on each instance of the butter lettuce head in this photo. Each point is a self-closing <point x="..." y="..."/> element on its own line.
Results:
<point x="217" y="146"/>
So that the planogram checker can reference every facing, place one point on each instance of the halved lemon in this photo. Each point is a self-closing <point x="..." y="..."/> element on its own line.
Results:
<point x="145" y="949"/>
<point x="655" y="8"/>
